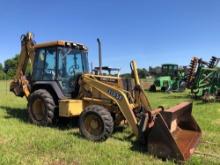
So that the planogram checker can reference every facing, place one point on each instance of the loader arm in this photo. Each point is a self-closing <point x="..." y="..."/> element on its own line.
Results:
<point x="20" y="85"/>
<point x="167" y="133"/>
<point x="117" y="96"/>
<point x="140" y="96"/>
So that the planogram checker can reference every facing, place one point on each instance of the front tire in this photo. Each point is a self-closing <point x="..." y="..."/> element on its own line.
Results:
<point x="96" y="123"/>
<point x="163" y="89"/>
<point x="152" y="88"/>
<point x="41" y="108"/>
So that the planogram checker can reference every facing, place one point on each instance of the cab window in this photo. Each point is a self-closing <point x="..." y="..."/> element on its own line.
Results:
<point x="38" y="64"/>
<point x="50" y="64"/>
<point x="45" y="64"/>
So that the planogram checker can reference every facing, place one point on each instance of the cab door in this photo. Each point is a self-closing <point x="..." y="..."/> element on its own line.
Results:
<point x="44" y="64"/>
<point x="70" y="67"/>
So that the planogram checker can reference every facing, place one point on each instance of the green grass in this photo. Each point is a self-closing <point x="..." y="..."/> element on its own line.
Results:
<point x="24" y="143"/>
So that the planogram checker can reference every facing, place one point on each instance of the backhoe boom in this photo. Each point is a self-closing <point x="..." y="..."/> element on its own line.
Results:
<point x="20" y="85"/>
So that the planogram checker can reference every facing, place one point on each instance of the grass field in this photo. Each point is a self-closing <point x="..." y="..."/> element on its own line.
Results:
<point x="24" y="143"/>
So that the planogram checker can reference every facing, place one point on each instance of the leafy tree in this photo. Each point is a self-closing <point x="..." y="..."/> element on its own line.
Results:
<point x="126" y="75"/>
<point x="142" y="73"/>
<point x="2" y="74"/>
<point x="10" y="66"/>
<point x="155" y="71"/>
<point x="1" y="66"/>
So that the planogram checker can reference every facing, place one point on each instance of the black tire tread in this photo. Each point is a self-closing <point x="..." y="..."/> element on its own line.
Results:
<point x="106" y="117"/>
<point x="49" y="103"/>
<point x="152" y="88"/>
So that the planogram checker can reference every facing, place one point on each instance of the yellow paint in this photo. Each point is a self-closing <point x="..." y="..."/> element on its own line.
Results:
<point x="69" y="108"/>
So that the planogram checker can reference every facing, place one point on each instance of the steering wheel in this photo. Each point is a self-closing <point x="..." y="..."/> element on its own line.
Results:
<point x="72" y="70"/>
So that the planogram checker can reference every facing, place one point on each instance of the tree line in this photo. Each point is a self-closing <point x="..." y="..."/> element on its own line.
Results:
<point x="9" y="69"/>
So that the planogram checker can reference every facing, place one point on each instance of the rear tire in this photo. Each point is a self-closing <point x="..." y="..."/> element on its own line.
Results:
<point x="182" y="86"/>
<point x="163" y="89"/>
<point x="152" y="88"/>
<point x="96" y="123"/>
<point x="41" y="108"/>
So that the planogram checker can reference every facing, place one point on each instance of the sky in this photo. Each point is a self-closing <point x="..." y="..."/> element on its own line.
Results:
<point x="151" y="32"/>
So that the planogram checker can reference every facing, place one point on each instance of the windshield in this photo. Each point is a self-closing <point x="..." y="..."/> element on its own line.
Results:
<point x="169" y="69"/>
<point x="72" y="61"/>
<point x="71" y="64"/>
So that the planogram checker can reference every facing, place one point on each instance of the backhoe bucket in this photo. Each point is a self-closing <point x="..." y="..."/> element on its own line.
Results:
<point x="175" y="133"/>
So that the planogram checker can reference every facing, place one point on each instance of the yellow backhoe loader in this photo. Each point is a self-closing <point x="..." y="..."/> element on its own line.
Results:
<point x="61" y="86"/>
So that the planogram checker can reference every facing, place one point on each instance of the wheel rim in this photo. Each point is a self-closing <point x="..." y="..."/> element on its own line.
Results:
<point x="93" y="124"/>
<point x="38" y="109"/>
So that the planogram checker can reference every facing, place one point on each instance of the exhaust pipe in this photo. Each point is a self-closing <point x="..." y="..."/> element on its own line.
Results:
<point x="100" y="56"/>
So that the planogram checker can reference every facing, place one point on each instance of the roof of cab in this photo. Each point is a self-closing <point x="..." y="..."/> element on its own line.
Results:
<point x="170" y="64"/>
<point x="61" y="43"/>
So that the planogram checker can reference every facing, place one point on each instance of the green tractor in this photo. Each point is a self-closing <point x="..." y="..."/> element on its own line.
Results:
<point x="170" y="79"/>
<point x="203" y="79"/>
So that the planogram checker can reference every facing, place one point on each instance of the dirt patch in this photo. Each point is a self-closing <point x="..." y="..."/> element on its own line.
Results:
<point x="62" y="162"/>
<point x="2" y="141"/>
<point x="58" y="162"/>
<point x="216" y="121"/>
<point x="146" y="85"/>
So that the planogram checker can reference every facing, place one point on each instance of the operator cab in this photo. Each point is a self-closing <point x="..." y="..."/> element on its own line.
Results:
<point x="170" y="70"/>
<point x="62" y="62"/>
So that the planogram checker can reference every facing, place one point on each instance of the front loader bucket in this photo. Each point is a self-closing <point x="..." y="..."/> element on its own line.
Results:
<point x="175" y="133"/>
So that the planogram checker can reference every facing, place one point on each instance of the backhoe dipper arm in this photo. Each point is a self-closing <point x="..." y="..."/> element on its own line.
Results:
<point x="20" y="85"/>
